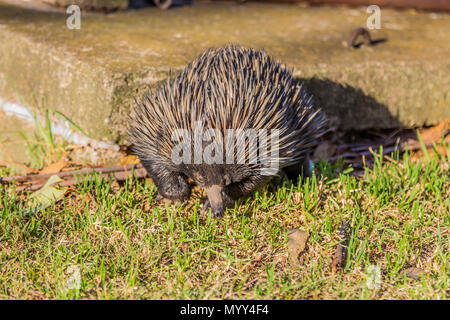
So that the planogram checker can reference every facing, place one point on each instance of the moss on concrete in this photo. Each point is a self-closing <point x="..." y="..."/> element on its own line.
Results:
<point x="93" y="73"/>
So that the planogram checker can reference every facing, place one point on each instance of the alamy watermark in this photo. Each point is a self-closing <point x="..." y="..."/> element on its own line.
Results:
<point x="74" y="20"/>
<point x="238" y="146"/>
<point x="373" y="274"/>
<point x="374" y="21"/>
<point x="73" y="281"/>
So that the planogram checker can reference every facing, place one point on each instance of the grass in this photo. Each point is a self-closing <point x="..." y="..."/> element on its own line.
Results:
<point x="110" y="241"/>
<point x="42" y="145"/>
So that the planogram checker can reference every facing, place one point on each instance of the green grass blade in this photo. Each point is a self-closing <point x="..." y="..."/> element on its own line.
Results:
<point x="423" y="147"/>
<point x="70" y="122"/>
<point x="48" y="128"/>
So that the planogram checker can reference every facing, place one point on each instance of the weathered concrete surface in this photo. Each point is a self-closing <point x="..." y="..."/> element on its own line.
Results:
<point x="12" y="146"/>
<point x="92" y="74"/>
<point x="94" y="5"/>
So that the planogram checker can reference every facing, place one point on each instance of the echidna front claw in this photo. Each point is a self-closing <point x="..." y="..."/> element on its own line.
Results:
<point x="159" y="198"/>
<point x="205" y="208"/>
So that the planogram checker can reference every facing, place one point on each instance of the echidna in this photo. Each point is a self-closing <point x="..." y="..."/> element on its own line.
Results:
<point x="230" y="121"/>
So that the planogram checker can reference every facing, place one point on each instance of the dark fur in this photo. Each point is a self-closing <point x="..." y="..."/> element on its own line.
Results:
<point x="213" y="88"/>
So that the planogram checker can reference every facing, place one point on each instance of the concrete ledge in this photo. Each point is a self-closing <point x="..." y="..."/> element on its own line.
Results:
<point x="92" y="74"/>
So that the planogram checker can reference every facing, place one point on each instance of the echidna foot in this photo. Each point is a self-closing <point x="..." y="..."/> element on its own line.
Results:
<point x="163" y="200"/>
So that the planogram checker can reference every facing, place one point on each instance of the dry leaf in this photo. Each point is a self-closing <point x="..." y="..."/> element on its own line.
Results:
<point x="54" y="167"/>
<point x="44" y="197"/>
<point x="296" y="244"/>
<point x="130" y="159"/>
<point x="434" y="134"/>
<point x="414" y="273"/>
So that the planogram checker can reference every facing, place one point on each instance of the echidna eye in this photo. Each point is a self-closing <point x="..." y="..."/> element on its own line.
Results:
<point x="198" y="179"/>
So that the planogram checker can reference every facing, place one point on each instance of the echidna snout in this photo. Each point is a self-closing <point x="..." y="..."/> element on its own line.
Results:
<point x="215" y="199"/>
<point x="231" y="89"/>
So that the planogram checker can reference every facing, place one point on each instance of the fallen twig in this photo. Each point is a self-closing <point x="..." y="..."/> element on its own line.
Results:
<point x="36" y="181"/>
<point x="340" y="256"/>
<point x="368" y="150"/>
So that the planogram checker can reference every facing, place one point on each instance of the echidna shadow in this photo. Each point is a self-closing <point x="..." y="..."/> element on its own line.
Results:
<point x="228" y="88"/>
<point x="348" y="107"/>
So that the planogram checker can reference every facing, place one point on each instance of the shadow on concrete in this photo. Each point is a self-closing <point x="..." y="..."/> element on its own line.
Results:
<point x="349" y="108"/>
